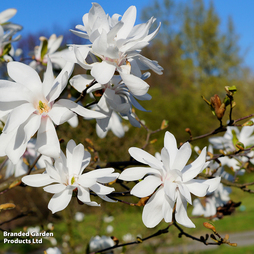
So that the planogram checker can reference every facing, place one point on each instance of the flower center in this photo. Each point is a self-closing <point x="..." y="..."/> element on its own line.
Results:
<point x="43" y="108"/>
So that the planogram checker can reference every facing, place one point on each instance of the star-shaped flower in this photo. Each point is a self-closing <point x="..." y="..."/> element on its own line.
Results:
<point x="32" y="107"/>
<point x="169" y="182"/>
<point x="67" y="176"/>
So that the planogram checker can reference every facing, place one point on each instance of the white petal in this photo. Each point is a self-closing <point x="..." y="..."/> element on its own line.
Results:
<point x="181" y="212"/>
<point x="197" y="187"/>
<point x="47" y="141"/>
<point x="20" y="137"/>
<point x="128" y="19"/>
<point x="55" y="188"/>
<point x="83" y="194"/>
<point x="53" y="172"/>
<point x="7" y="14"/>
<point x="37" y="180"/>
<point x="73" y="122"/>
<point x="103" y="72"/>
<point x="108" y="179"/>
<point x="60" y="82"/>
<point x="192" y="170"/>
<point x="182" y="157"/>
<point x="185" y="192"/>
<point x="170" y="190"/>
<point x="77" y="158"/>
<point x="144" y="157"/>
<point x="153" y="210"/>
<point x="14" y="92"/>
<point x="25" y="75"/>
<point x="132" y="174"/>
<point x="60" y="200"/>
<point x="146" y="187"/>
<point x="171" y="146"/>
<point x="18" y="116"/>
<point x="48" y="79"/>
<point x="60" y="114"/>
<point x="97" y="173"/>
<point x="80" y="82"/>
<point x="136" y="85"/>
<point x="79" y="109"/>
<point x="101" y="189"/>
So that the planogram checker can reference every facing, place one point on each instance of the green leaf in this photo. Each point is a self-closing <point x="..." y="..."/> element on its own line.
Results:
<point x="6" y="49"/>
<point x="234" y="139"/>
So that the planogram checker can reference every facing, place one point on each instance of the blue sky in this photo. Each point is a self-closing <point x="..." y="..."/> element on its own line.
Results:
<point x="50" y="15"/>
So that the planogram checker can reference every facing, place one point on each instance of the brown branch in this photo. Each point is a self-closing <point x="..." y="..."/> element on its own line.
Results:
<point x="139" y="240"/>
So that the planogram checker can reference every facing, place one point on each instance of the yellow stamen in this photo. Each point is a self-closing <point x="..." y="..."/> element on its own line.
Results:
<point x="73" y="180"/>
<point x="43" y="107"/>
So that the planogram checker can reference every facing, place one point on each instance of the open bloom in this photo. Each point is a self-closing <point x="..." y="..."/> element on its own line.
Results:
<point x="169" y="181"/>
<point x="207" y="206"/>
<point x="31" y="106"/>
<point x="67" y="176"/>
<point x="116" y="99"/>
<point x="233" y="134"/>
<point x="7" y="31"/>
<point x="117" y="43"/>
<point x="48" y="47"/>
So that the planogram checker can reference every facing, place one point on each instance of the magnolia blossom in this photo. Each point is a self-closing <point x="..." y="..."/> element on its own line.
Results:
<point x="117" y="43"/>
<point x="116" y="98"/>
<point x="207" y="206"/>
<point x="98" y="243"/>
<point x="67" y="176"/>
<point x="233" y="135"/>
<point x="31" y="106"/>
<point x="54" y="250"/>
<point x="48" y="47"/>
<point x="169" y="181"/>
<point x="7" y="31"/>
<point x="226" y="143"/>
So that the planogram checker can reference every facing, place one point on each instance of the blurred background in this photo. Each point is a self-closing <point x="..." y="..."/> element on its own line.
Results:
<point x="203" y="46"/>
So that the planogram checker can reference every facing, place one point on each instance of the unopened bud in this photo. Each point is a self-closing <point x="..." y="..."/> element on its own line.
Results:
<point x="219" y="108"/>
<point x="164" y="124"/>
<point x="240" y="146"/>
<point x="209" y="226"/>
<point x="226" y="237"/>
<point x="233" y="244"/>
<point x="7" y="206"/>
<point x="153" y="141"/>
<point x="248" y="123"/>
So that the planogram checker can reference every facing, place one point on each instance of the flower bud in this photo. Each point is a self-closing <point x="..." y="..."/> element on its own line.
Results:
<point x="7" y="206"/>
<point x="209" y="226"/>
<point x="219" y="108"/>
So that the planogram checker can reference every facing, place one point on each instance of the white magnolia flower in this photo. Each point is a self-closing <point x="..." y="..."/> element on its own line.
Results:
<point x="227" y="141"/>
<point x="54" y="250"/>
<point x="67" y="176"/>
<point x="48" y="47"/>
<point x="169" y="181"/>
<point x="118" y="44"/>
<point x="128" y="237"/>
<point x="109" y="229"/>
<point x="31" y="106"/>
<point x="29" y="156"/>
<point x="208" y="206"/>
<point x="7" y="31"/>
<point x="116" y="98"/>
<point x="108" y="219"/>
<point x="98" y="243"/>
<point x="79" y="216"/>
